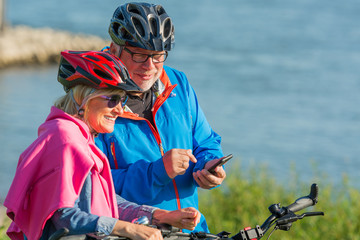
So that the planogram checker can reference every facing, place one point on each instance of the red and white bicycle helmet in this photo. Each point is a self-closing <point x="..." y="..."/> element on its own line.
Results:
<point x="95" y="69"/>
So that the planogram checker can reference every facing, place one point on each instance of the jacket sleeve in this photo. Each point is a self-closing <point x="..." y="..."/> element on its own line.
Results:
<point x="80" y="222"/>
<point x="128" y="211"/>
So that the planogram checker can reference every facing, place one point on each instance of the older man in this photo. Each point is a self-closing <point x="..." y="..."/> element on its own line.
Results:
<point x="162" y="146"/>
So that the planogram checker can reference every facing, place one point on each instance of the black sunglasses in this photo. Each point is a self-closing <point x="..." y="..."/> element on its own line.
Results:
<point x="114" y="100"/>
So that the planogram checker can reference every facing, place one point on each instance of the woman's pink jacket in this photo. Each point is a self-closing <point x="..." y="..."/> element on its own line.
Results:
<point x="51" y="172"/>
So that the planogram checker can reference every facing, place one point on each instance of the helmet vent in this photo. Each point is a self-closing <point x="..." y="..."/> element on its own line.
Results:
<point x="92" y="57"/>
<point x="107" y="57"/>
<point x="119" y="71"/>
<point x="120" y="16"/>
<point x="160" y="10"/>
<point x="66" y="69"/>
<point x="115" y="27"/>
<point x="123" y="73"/>
<point x="125" y="34"/>
<point x="139" y="27"/>
<point x="153" y="26"/>
<point x="167" y="28"/>
<point x="133" y="9"/>
<point x="102" y="74"/>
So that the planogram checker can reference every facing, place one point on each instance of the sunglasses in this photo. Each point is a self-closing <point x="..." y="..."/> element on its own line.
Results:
<point x="114" y="100"/>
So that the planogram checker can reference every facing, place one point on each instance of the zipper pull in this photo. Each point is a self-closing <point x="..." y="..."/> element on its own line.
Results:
<point x="161" y="149"/>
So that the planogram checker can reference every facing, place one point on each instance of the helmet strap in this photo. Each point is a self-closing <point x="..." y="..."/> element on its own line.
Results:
<point x="73" y="99"/>
<point x="79" y="108"/>
<point x="121" y="48"/>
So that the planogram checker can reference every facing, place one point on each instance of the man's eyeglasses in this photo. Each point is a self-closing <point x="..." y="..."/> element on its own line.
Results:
<point x="114" y="100"/>
<point x="142" y="57"/>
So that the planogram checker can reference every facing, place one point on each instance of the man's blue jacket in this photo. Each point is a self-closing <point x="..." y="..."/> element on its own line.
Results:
<point x="135" y="148"/>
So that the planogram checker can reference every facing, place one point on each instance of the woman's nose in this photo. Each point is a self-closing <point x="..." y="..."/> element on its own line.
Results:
<point x="118" y="109"/>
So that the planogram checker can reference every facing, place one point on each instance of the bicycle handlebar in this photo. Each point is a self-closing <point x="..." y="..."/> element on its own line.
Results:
<point x="299" y="204"/>
<point x="283" y="216"/>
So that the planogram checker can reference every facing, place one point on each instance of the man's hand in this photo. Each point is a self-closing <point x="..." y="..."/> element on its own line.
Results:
<point x="176" y="161"/>
<point x="207" y="180"/>
<point x="186" y="218"/>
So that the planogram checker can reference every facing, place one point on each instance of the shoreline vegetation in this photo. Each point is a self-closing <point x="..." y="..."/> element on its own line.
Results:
<point x="244" y="197"/>
<point x="243" y="200"/>
<point x="23" y="45"/>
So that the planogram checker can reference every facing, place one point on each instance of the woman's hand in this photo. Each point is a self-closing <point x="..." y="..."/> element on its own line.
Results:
<point x="186" y="218"/>
<point x="136" y="232"/>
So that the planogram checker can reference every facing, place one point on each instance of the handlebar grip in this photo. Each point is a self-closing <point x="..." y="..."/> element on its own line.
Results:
<point x="305" y="201"/>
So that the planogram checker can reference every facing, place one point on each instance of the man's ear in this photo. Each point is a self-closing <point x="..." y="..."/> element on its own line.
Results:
<point x="115" y="49"/>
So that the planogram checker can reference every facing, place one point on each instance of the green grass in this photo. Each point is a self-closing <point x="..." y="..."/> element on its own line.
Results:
<point x="244" y="198"/>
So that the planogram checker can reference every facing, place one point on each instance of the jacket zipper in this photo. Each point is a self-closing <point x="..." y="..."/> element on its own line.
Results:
<point x="159" y="101"/>
<point x="164" y="95"/>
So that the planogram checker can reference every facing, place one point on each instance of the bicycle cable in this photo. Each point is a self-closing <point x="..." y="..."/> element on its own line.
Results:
<point x="271" y="233"/>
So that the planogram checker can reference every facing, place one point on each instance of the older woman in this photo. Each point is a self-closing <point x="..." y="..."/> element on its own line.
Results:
<point x="62" y="179"/>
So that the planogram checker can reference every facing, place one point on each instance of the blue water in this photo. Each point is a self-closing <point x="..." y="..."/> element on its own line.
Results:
<point x="278" y="80"/>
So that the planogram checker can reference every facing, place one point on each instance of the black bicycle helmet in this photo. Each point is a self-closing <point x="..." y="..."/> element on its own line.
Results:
<point x="142" y="25"/>
<point x="95" y="69"/>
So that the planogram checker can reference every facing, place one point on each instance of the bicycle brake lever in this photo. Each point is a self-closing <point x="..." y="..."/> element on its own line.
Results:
<point x="311" y="214"/>
<point x="292" y="217"/>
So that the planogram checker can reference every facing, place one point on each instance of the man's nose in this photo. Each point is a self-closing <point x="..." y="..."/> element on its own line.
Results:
<point x="148" y="63"/>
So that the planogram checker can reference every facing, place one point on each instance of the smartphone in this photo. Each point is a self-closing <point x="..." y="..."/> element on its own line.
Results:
<point x="221" y="162"/>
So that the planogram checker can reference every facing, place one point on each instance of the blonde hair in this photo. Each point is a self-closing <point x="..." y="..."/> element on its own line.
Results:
<point x="81" y="93"/>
